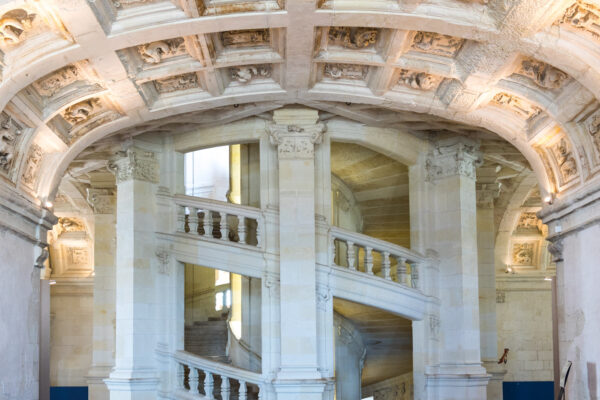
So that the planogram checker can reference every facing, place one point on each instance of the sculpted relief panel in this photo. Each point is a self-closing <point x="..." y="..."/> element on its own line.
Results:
<point x="32" y="166"/>
<point x="157" y="52"/>
<point x="524" y="254"/>
<point x="247" y="73"/>
<point x="177" y="83"/>
<point x="353" y="38"/>
<point x="418" y="80"/>
<point x="13" y="24"/>
<point x="542" y="74"/>
<point x="346" y="71"/>
<point x="565" y="160"/>
<point x="246" y="38"/>
<point x="584" y="17"/>
<point x="438" y="44"/>
<point x="517" y="105"/>
<point x="11" y="134"/>
<point x="218" y="7"/>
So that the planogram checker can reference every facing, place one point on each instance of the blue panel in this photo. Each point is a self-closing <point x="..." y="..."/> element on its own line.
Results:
<point x="68" y="393"/>
<point x="527" y="390"/>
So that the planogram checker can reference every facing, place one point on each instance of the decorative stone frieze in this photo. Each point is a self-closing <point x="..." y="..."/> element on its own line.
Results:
<point x="435" y="43"/>
<point x="82" y="111"/>
<point x="353" y="38"/>
<point x="418" y="80"/>
<point x="67" y="224"/>
<point x="135" y="164"/>
<point x="156" y="52"/>
<point x="455" y="157"/>
<point x="517" y="105"/>
<point x="565" y="159"/>
<point x="32" y="165"/>
<point x="247" y="73"/>
<point x="10" y="137"/>
<point x="101" y="200"/>
<point x="296" y="141"/>
<point x="219" y="7"/>
<point x="52" y="83"/>
<point x="584" y="17"/>
<point x="524" y="253"/>
<point x="346" y="71"/>
<point x="13" y="24"/>
<point x="177" y="83"/>
<point x="593" y="128"/>
<point x="246" y="38"/>
<point x="529" y="223"/>
<point x="542" y="74"/>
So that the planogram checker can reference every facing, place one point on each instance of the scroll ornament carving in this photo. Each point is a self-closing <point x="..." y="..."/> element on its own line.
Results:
<point x="523" y="253"/>
<point x="296" y="142"/>
<point x="542" y="74"/>
<point x="247" y="73"/>
<point x="9" y="139"/>
<point x="565" y="160"/>
<point x="51" y="84"/>
<point x="456" y="159"/>
<point x="82" y="111"/>
<point x="246" y="38"/>
<point x="101" y="200"/>
<point x="155" y="52"/>
<point x="353" y="38"/>
<point x="136" y="164"/>
<point x="13" y="24"/>
<point x="176" y="83"/>
<point x="32" y="165"/>
<point x="418" y="80"/>
<point x="435" y="43"/>
<point x="346" y="71"/>
<point x="517" y="105"/>
<point x="583" y="16"/>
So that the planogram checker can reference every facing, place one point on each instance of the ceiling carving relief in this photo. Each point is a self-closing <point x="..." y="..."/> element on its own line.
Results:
<point x="220" y="7"/>
<point x="32" y="166"/>
<point x="11" y="135"/>
<point x="435" y="43"/>
<point x="583" y="17"/>
<point x="557" y="153"/>
<point x="517" y="105"/>
<point x="177" y="83"/>
<point x="71" y="248"/>
<point x="350" y="72"/>
<point x="156" y="52"/>
<point x="418" y="80"/>
<point x="542" y="74"/>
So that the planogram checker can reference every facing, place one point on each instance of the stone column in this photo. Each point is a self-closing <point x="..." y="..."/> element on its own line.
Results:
<point x="573" y="230"/>
<point x="134" y="376"/>
<point x="487" y="191"/>
<point x="459" y="374"/>
<point x="101" y="197"/>
<point x="295" y="133"/>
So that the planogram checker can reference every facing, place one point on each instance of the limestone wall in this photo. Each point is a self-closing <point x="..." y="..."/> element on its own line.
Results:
<point x="524" y="317"/>
<point x="19" y="319"/>
<point x="71" y="327"/>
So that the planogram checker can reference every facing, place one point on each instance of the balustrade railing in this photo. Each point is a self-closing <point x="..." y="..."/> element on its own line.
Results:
<point x="201" y="378"/>
<point x="211" y="219"/>
<point x="372" y="256"/>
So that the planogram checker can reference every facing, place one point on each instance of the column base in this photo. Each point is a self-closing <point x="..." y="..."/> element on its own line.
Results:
<point x="497" y="372"/>
<point x="97" y="389"/>
<point x="452" y="382"/>
<point x="133" y="384"/>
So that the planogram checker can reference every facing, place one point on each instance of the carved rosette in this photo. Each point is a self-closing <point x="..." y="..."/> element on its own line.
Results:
<point x="296" y="141"/>
<point x="101" y="200"/>
<point x="459" y="157"/>
<point x="135" y="164"/>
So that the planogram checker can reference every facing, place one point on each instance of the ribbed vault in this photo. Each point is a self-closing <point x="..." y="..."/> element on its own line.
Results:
<point x="75" y="72"/>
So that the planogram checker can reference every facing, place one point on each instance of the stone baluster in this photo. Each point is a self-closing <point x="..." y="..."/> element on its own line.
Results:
<point x="332" y="250"/>
<point x="386" y="265"/>
<point x="369" y="260"/>
<point x="208" y="224"/>
<point x="414" y="275"/>
<point x="224" y="227"/>
<point x="242" y="229"/>
<point x="209" y="385"/>
<point x="402" y="275"/>
<point x="351" y="256"/>
<point x="225" y="388"/>
<point x="181" y="218"/>
<point x="180" y="376"/>
<point x="193" y="220"/>
<point x="243" y="391"/>
<point x="193" y="381"/>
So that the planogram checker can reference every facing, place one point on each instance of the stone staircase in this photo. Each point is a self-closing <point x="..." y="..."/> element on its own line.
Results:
<point x="208" y="339"/>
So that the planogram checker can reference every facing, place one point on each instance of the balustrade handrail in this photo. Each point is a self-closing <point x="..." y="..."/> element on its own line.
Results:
<point x="217" y="206"/>
<point x="218" y="368"/>
<point x="360" y="239"/>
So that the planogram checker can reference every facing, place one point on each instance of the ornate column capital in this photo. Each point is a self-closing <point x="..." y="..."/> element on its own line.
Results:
<point x="102" y="201"/>
<point x="454" y="156"/>
<point x="135" y="164"/>
<point x="487" y="193"/>
<point x="555" y="247"/>
<point x="296" y="141"/>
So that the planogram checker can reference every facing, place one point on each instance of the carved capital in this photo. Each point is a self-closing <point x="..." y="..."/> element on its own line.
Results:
<point x="453" y="157"/>
<point x="135" y="164"/>
<point x="556" y="249"/>
<point x="296" y="141"/>
<point x="101" y="200"/>
<point x="487" y="193"/>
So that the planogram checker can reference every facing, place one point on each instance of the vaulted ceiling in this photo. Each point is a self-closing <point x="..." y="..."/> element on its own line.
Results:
<point x="76" y="71"/>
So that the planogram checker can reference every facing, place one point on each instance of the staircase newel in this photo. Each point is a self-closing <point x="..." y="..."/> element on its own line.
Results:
<point x="209" y="384"/>
<point x="402" y="271"/>
<point x="369" y="260"/>
<point x="243" y="391"/>
<point x="225" y="388"/>
<point x="193" y="220"/>
<point x="193" y="380"/>
<point x="208" y="224"/>
<point x="242" y="228"/>
<point x="224" y="227"/>
<point x="351" y="256"/>
<point x="386" y="266"/>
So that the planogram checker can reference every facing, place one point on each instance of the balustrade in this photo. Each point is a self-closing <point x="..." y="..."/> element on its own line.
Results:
<point x="372" y="256"/>
<point x="201" y="378"/>
<point x="211" y="219"/>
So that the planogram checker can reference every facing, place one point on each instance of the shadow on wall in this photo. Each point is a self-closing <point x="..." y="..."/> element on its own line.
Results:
<point x="527" y="390"/>
<point x="68" y="393"/>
